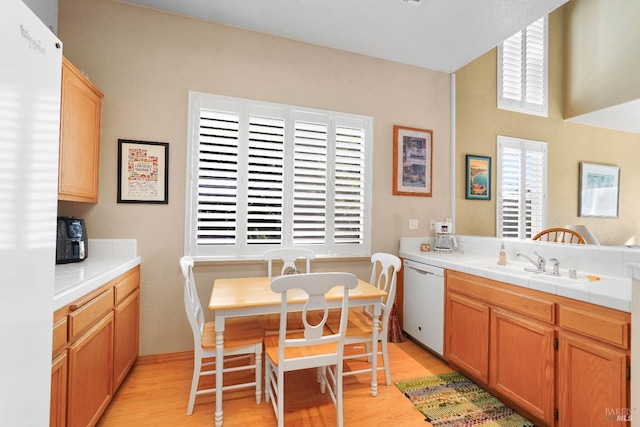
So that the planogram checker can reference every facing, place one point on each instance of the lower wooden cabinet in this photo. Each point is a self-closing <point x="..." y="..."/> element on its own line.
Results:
<point x="590" y="388"/>
<point x="90" y="387"/>
<point x="467" y="335"/>
<point x="126" y="337"/>
<point x="58" y="408"/>
<point x="95" y="346"/>
<point x="522" y="362"/>
<point x="560" y="362"/>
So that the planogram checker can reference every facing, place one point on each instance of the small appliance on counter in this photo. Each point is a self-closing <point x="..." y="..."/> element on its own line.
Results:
<point x="71" y="240"/>
<point x="445" y="240"/>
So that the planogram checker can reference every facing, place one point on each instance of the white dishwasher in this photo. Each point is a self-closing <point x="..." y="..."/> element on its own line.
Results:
<point x="423" y="310"/>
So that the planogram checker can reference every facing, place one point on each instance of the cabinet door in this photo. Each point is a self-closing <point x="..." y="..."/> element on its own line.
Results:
<point x="126" y="337"/>
<point x="467" y="335"/>
<point x="592" y="384"/>
<point x="80" y="112"/>
<point x="522" y="362"/>
<point x="58" y="408"/>
<point x="90" y="374"/>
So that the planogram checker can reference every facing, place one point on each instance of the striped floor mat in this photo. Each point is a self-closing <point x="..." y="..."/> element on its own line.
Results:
<point x="452" y="400"/>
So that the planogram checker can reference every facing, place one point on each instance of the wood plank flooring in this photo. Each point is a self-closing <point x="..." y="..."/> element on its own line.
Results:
<point x="156" y="394"/>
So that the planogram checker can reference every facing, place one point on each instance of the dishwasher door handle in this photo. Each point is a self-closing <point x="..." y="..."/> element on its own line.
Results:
<point x="422" y="272"/>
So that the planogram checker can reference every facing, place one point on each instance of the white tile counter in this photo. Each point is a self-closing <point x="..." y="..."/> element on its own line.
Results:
<point x="106" y="260"/>
<point x="480" y="258"/>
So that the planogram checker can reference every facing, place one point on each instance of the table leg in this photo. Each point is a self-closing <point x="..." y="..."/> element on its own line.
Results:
<point x="374" y="349"/>
<point x="219" y="367"/>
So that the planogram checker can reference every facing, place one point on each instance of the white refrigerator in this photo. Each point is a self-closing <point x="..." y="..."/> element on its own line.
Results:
<point x="30" y="71"/>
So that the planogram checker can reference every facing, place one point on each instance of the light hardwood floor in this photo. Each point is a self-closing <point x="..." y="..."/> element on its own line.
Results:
<point x="156" y="394"/>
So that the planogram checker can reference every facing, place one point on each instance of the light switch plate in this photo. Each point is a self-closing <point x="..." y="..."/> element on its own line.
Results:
<point x="413" y="224"/>
<point x="432" y="224"/>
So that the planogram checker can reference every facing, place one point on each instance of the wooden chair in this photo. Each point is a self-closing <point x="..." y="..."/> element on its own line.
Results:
<point x="559" y="235"/>
<point x="359" y="335"/>
<point x="288" y="257"/>
<point x="243" y="337"/>
<point x="316" y="346"/>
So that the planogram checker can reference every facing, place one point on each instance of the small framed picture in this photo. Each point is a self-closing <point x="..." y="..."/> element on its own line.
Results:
<point x="412" y="161"/>
<point x="599" y="190"/>
<point x="143" y="172"/>
<point x="478" y="178"/>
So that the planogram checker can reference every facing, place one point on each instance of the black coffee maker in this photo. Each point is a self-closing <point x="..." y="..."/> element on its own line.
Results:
<point x="71" y="240"/>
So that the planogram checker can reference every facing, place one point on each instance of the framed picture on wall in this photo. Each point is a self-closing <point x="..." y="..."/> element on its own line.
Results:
<point x="412" y="161"/>
<point x="599" y="190"/>
<point x="143" y="172"/>
<point x="478" y="178"/>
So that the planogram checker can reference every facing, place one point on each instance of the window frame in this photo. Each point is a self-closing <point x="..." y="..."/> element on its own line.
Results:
<point x="525" y="146"/>
<point x="521" y="105"/>
<point x="243" y="250"/>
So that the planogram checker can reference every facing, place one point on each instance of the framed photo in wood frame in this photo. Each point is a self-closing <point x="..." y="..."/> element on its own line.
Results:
<point x="143" y="172"/>
<point x="478" y="178"/>
<point x="412" y="161"/>
<point x="599" y="190"/>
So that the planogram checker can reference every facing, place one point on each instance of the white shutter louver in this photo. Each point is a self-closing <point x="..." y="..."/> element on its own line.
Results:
<point x="310" y="182"/>
<point x="265" y="180"/>
<point x="522" y="187"/>
<point x="350" y="180"/>
<point x="217" y="178"/>
<point x="522" y="70"/>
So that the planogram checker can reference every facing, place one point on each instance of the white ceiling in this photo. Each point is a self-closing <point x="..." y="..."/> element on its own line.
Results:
<point x="441" y="35"/>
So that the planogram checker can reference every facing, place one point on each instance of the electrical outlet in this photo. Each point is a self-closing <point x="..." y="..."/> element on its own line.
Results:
<point x="413" y="224"/>
<point x="432" y="224"/>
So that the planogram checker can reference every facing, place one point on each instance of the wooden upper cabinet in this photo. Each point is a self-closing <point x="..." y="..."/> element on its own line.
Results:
<point x="80" y="111"/>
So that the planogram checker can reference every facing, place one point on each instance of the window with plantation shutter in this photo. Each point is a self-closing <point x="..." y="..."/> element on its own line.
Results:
<point x="522" y="187"/>
<point x="263" y="176"/>
<point x="523" y="70"/>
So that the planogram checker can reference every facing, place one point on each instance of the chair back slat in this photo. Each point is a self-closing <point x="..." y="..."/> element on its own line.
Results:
<point x="191" y="301"/>
<point x="560" y="235"/>
<point x="384" y="276"/>
<point x="288" y="256"/>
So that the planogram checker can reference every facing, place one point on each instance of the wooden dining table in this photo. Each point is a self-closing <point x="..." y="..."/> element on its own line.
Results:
<point x="249" y="296"/>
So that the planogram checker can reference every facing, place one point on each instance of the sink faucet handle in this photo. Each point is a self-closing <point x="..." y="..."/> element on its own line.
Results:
<point x="541" y="262"/>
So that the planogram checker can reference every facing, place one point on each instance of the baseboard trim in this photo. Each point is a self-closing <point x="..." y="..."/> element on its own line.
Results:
<point x="153" y="359"/>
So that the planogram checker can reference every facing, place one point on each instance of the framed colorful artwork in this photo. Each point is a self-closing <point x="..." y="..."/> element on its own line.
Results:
<point x="478" y="178"/>
<point x="143" y="172"/>
<point x="412" y="161"/>
<point x="599" y="190"/>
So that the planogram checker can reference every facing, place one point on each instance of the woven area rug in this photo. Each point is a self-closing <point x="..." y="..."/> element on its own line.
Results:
<point x="452" y="400"/>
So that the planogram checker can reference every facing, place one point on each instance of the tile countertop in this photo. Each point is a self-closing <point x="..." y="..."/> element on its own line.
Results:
<point x="107" y="260"/>
<point x="610" y="291"/>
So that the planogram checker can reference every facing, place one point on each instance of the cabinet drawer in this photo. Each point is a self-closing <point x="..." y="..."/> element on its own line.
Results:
<point x="488" y="291"/>
<point x="59" y="335"/>
<point x="604" y="328"/>
<point x="126" y="284"/>
<point x="89" y="313"/>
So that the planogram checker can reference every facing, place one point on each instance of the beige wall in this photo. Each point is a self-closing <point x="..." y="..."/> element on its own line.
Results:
<point x="603" y="58"/>
<point x="145" y="62"/>
<point x="478" y="122"/>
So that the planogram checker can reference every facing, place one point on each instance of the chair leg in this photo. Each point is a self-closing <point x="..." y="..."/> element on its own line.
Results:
<point x="323" y="379"/>
<point x="267" y="383"/>
<point x="385" y="361"/>
<point x="280" y="398"/>
<point x="258" y="363"/>
<point x="197" y="366"/>
<point x="338" y="393"/>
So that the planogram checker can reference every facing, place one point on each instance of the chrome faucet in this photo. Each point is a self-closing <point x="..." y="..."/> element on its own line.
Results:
<point x="556" y="266"/>
<point x="539" y="264"/>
